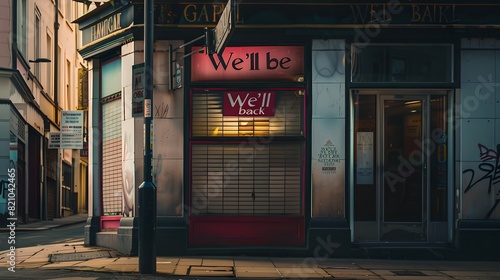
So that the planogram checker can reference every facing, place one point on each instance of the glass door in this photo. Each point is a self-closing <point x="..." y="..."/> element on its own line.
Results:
<point x="403" y="167"/>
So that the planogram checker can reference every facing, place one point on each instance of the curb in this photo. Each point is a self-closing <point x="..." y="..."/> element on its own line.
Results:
<point x="27" y="228"/>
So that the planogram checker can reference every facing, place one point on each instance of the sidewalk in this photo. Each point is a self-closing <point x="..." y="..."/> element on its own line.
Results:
<point x="78" y="258"/>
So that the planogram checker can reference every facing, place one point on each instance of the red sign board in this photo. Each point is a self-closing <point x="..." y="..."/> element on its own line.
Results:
<point x="264" y="63"/>
<point x="248" y="103"/>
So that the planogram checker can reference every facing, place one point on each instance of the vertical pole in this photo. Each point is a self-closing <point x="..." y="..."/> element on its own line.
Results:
<point x="56" y="104"/>
<point x="147" y="190"/>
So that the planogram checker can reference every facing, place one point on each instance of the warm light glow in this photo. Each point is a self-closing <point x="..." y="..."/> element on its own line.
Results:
<point x="412" y="102"/>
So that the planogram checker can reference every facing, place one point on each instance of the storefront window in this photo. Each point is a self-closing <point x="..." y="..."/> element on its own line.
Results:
<point x="247" y="152"/>
<point x="111" y="138"/>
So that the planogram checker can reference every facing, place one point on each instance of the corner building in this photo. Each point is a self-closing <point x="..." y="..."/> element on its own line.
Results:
<point x="324" y="129"/>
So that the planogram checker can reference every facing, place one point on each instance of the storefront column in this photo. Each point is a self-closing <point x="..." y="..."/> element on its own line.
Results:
<point x="92" y="227"/>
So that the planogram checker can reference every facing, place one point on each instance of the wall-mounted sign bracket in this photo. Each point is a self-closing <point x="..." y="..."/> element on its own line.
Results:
<point x="215" y="42"/>
<point x="175" y="68"/>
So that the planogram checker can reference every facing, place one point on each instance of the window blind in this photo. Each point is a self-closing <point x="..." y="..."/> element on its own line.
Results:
<point x="112" y="158"/>
<point x="246" y="179"/>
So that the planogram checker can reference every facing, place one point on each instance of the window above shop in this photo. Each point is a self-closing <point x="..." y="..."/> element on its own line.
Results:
<point x="402" y="63"/>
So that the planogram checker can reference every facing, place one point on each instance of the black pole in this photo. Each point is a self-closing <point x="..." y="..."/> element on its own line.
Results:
<point x="56" y="104"/>
<point x="147" y="190"/>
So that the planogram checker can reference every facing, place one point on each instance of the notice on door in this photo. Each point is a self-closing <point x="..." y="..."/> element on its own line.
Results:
<point x="364" y="166"/>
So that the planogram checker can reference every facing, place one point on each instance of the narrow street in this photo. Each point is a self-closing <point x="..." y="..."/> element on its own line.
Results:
<point x="29" y="238"/>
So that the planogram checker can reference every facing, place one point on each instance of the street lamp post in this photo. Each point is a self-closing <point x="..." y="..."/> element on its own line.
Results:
<point x="147" y="190"/>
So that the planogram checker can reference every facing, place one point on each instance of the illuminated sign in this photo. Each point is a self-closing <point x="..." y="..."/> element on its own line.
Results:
<point x="284" y="63"/>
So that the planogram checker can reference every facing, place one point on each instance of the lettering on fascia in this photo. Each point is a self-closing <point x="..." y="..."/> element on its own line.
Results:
<point x="105" y="27"/>
<point x="419" y="13"/>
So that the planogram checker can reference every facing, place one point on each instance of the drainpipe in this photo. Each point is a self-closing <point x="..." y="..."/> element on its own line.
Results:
<point x="56" y="104"/>
<point x="14" y="34"/>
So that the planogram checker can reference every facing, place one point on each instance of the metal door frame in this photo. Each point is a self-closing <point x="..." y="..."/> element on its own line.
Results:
<point x="444" y="228"/>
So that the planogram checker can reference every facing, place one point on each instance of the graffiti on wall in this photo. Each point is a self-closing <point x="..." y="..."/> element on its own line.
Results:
<point x="487" y="171"/>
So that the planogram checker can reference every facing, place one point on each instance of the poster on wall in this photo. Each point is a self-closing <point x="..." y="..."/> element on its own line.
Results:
<point x="364" y="168"/>
<point x="138" y="90"/>
<point x="328" y="157"/>
<point x="71" y="130"/>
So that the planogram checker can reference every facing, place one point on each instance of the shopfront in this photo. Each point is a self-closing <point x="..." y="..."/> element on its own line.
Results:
<point x="247" y="148"/>
<point x="402" y="142"/>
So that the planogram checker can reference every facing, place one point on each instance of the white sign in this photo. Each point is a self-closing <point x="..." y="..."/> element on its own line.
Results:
<point x="147" y="108"/>
<point x="364" y="168"/>
<point x="54" y="140"/>
<point x="138" y="79"/>
<point x="72" y="130"/>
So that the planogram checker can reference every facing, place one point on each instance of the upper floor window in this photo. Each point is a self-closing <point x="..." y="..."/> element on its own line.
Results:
<point x="37" y="46"/>
<point x="21" y="27"/>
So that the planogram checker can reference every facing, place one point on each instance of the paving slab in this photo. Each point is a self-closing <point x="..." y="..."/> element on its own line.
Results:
<point x="181" y="269"/>
<point x="258" y="274"/>
<point x="126" y="261"/>
<point x="217" y="262"/>
<point x="101" y="262"/>
<point x="254" y="263"/>
<point x="122" y="267"/>
<point x="190" y="261"/>
<point x="165" y="269"/>
<point x="61" y="264"/>
<point x="299" y="272"/>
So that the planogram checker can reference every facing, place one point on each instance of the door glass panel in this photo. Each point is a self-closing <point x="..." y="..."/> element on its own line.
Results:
<point x="437" y="147"/>
<point x="402" y="160"/>
<point x="365" y="190"/>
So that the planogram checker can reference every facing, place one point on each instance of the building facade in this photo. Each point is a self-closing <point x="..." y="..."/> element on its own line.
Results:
<point x="321" y="129"/>
<point x="39" y="78"/>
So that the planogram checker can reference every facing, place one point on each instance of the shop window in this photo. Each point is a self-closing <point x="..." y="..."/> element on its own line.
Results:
<point x="111" y="111"/>
<point x="379" y="63"/>
<point x="247" y="165"/>
<point x="111" y="158"/>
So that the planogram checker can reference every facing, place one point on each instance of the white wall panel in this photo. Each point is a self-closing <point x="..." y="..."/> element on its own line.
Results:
<point x="478" y="100"/>
<point x="328" y="100"/>
<point x="474" y="132"/>
<point x="478" y="65"/>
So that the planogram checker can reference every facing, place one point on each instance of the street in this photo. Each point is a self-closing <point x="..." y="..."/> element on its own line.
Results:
<point x="65" y="234"/>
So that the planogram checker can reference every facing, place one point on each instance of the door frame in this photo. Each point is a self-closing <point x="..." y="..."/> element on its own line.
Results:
<point x="436" y="232"/>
